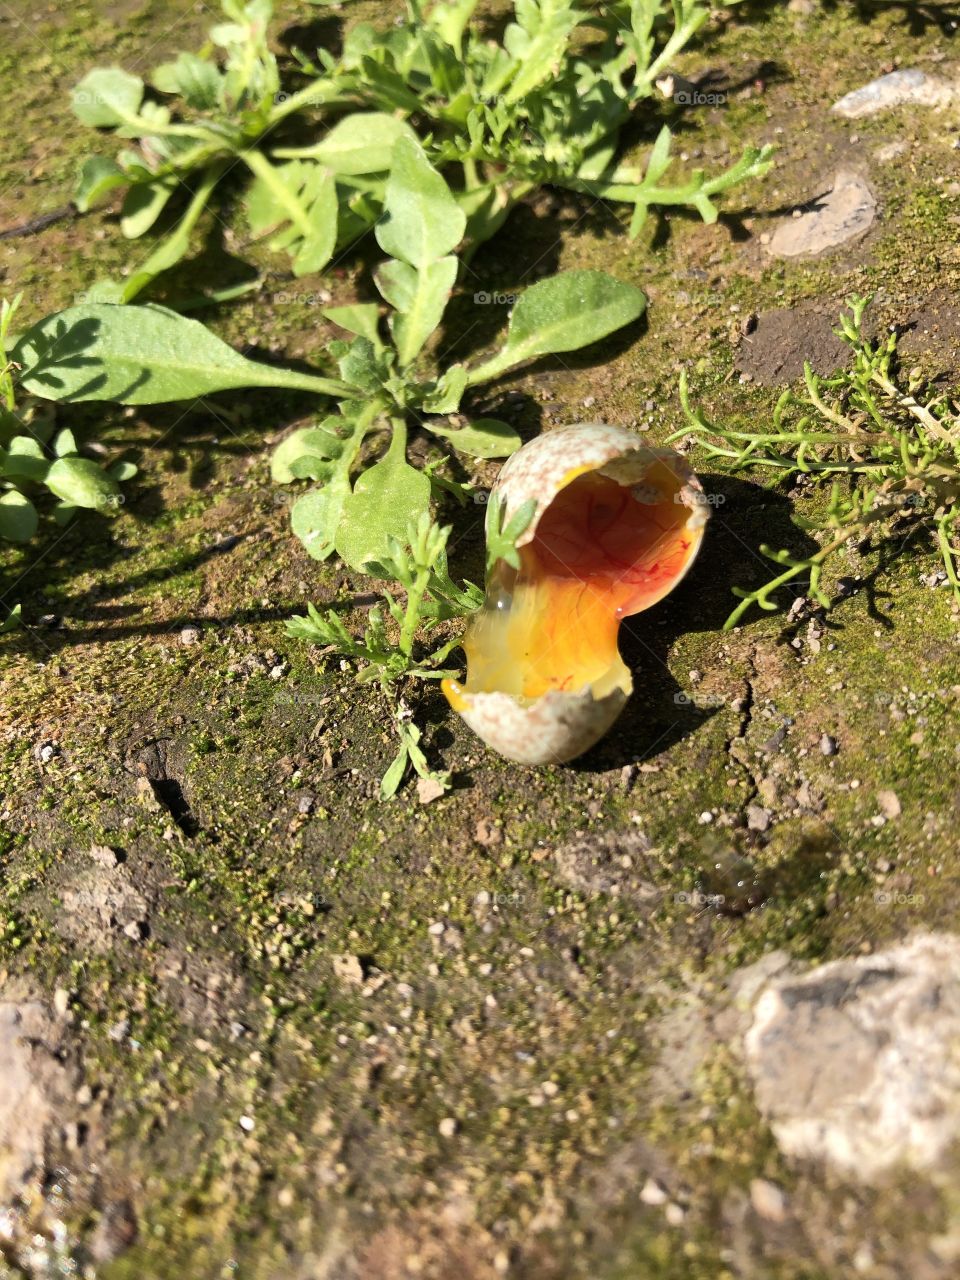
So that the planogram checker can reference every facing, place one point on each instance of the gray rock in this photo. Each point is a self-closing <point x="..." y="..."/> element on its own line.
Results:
<point x="896" y="90"/>
<point x="856" y="1062"/>
<point x="843" y="213"/>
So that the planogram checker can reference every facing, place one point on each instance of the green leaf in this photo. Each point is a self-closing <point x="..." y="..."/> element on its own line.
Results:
<point x="83" y="483"/>
<point x="359" y="367"/>
<point x="24" y="460"/>
<point x="300" y="200"/>
<point x="359" y="143"/>
<point x="138" y="355"/>
<point x="563" y="313"/>
<point x="18" y="517"/>
<point x="484" y="438"/>
<point x="195" y="79"/>
<point x="314" y="517"/>
<point x="143" y="205"/>
<point x="107" y="97"/>
<point x="420" y="297"/>
<point x="98" y="176"/>
<point x="384" y="501"/>
<point x="390" y="782"/>
<point x="64" y="442"/>
<point x="448" y="391"/>
<point x="319" y="444"/>
<point x="421" y="222"/>
<point x="12" y="621"/>
<point x="361" y="318"/>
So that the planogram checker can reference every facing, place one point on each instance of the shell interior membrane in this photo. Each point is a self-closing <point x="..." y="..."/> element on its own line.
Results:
<point x="612" y="542"/>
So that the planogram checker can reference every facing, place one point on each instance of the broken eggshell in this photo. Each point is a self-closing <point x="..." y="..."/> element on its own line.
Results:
<point x="616" y="526"/>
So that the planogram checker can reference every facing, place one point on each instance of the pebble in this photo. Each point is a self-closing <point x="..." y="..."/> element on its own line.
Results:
<point x="768" y="1200"/>
<point x="896" y="89"/>
<point x="828" y="746"/>
<point x="889" y="803"/>
<point x="758" y="818"/>
<point x="189" y="635"/>
<point x="246" y="1124"/>
<point x="828" y="219"/>
<point x="104" y="855"/>
<point x="429" y="789"/>
<point x="447" y="1127"/>
<point x="652" y="1193"/>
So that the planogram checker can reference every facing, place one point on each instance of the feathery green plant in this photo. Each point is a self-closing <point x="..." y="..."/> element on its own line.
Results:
<point x="887" y="443"/>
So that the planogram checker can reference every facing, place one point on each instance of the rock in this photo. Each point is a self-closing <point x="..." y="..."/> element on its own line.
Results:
<point x="828" y="745"/>
<point x="652" y="1193"/>
<point x="104" y="855"/>
<point x="115" y="1232"/>
<point x="889" y="803"/>
<point x="35" y="1086"/>
<point x="842" y="214"/>
<point x="768" y="1200"/>
<point x="855" y="1062"/>
<point x="896" y="90"/>
<point x="348" y="969"/>
<point x="890" y="151"/>
<point x="486" y="833"/>
<point x="758" y="818"/>
<point x="429" y="789"/>
<point x="190" y="635"/>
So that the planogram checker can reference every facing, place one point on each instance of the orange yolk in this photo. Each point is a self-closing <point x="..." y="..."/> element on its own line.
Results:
<point x="602" y="551"/>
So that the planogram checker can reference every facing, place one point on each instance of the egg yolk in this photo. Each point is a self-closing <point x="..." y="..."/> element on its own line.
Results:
<point x="602" y="551"/>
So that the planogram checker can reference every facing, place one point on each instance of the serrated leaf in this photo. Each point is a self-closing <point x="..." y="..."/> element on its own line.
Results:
<point x="18" y="517"/>
<point x="195" y="79"/>
<point x="318" y="443"/>
<point x="359" y="143"/>
<point x="482" y="438"/>
<point x="385" y="499"/>
<point x="98" y="176"/>
<point x="420" y="298"/>
<point x="299" y="199"/>
<point x="421" y="221"/>
<point x="107" y="97"/>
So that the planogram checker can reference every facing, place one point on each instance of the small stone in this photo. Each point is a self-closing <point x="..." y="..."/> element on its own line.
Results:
<point x="146" y="795"/>
<point x="674" y="1215"/>
<point x="190" y="636"/>
<point x="305" y="802"/>
<point x="889" y="803"/>
<point x="246" y="1123"/>
<point x="652" y="1193"/>
<point x="120" y="1030"/>
<point x="758" y="818"/>
<point x="768" y="1200"/>
<point x="279" y="671"/>
<point x="61" y="1001"/>
<point x="429" y="789"/>
<point x="486" y="833"/>
<point x="104" y="855"/>
<point x="136" y="930"/>
<point x="447" y="1127"/>
<point x="589" y="401"/>
<point x="828" y="746"/>
<point x="827" y="220"/>
<point x="348" y="969"/>
<point x="705" y="818"/>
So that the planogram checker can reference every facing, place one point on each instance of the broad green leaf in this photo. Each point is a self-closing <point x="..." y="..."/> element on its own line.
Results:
<point x="83" y="483"/>
<point x="64" y="442"/>
<point x="123" y="470"/>
<point x="421" y="222"/>
<point x="359" y="143"/>
<point x="107" y="97"/>
<point x="563" y="313"/>
<point x="24" y="460"/>
<point x="138" y="355"/>
<point x="299" y="199"/>
<point x="98" y="176"/>
<point x="18" y="517"/>
<point x="361" y="318"/>
<point x="385" y="499"/>
<point x="483" y="438"/>
<point x="420" y="297"/>
<point x="359" y="367"/>
<point x="143" y="205"/>
<point x="12" y="621"/>
<point x="317" y="443"/>
<point x="314" y="517"/>
<point x="195" y="79"/>
<point x="448" y="391"/>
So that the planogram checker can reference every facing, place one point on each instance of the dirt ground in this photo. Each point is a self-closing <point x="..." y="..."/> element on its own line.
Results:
<point x="254" y="1023"/>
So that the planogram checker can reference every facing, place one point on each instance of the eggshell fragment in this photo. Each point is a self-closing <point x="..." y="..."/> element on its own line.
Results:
<point x="544" y="679"/>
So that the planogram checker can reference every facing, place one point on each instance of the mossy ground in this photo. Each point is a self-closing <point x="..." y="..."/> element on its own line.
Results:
<point x="358" y="1039"/>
